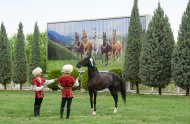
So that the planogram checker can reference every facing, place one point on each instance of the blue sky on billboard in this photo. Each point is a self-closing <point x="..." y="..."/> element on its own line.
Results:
<point x="69" y="28"/>
<point x="44" y="11"/>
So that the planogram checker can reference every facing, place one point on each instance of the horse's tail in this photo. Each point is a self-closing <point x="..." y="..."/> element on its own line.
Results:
<point x="122" y="90"/>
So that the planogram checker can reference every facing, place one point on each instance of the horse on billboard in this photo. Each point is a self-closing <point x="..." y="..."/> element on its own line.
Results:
<point x="88" y="46"/>
<point x="116" y="46"/>
<point x="97" y="43"/>
<point x="79" y="47"/>
<point x="106" y="48"/>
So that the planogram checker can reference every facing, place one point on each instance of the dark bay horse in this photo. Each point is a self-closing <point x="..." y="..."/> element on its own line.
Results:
<point x="106" y="48"/>
<point x="99" y="81"/>
<point x="78" y="45"/>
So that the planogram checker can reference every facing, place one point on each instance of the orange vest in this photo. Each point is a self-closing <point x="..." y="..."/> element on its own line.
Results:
<point x="39" y="81"/>
<point x="67" y="82"/>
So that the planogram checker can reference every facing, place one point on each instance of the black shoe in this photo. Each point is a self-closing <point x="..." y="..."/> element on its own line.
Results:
<point x="68" y="113"/>
<point x="35" y="110"/>
<point x="38" y="111"/>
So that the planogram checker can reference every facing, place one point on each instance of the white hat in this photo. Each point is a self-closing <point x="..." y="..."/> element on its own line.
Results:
<point x="36" y="71"/>
<point x="67" y="68"/>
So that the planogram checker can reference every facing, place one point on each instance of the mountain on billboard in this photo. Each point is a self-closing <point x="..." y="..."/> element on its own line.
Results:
<point x="64" y="40"/>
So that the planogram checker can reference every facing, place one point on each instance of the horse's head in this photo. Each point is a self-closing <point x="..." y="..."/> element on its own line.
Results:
<point x="94" y="34"/>
<point x="84" y="34"/>
<point x="87" y="61"/>
<point x="76" y="36"/>
<point x="104" y="37"/>
<point x="114" y="33"/>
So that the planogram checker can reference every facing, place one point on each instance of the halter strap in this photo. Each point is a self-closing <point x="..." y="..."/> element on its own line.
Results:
<point x="91" y="60"/>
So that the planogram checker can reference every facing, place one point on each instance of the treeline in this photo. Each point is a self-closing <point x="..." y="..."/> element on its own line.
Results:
<point x="153" y="58"/>
<point x="19" y="55"/>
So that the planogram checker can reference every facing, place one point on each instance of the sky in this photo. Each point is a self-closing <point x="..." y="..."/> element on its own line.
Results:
<point x="43" y="11"/>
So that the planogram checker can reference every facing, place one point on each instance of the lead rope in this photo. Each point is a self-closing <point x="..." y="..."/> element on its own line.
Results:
<point x="80" y="77"/>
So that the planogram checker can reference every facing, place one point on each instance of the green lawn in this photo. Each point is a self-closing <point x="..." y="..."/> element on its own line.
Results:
<point x="16" y="107"/>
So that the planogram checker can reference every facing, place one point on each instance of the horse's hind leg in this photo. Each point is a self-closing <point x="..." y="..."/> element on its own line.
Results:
<point x="114" y="93"/>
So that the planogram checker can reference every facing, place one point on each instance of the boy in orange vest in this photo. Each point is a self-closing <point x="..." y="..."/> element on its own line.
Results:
<point x="38" y="84"/>
<point x="66" y="82"/>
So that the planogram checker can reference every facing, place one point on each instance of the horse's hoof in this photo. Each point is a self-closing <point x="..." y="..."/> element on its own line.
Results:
<point x="115" y="110"/>
<point x="93" y="112"/>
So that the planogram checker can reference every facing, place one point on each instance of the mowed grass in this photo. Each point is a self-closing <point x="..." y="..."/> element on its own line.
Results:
<point x="16" y="107"/>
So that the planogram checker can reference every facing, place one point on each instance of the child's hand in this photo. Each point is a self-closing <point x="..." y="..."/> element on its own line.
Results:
<point x="56" y="79"/>
<point x="77" y="79"/>
<point x="76" y="82"/>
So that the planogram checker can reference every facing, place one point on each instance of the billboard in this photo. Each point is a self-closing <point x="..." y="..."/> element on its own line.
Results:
<point x="104" y="39"/>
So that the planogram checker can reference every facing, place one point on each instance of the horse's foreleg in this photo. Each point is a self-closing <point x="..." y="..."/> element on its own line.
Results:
<point x="91" y="99"/>
<point x="95" y="94"/>
<point x="102" y="59"/>
<point x="106" y="59"/>
<point x="81" y="55"/>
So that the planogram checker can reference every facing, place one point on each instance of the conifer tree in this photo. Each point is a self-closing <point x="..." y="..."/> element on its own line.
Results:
<point x="5" y="58"/>
<point x="35" y="58"/>
<point x="181" y="54"/>
<point x="20" y="65"/>
<point x="157" y="47"/>
<point x="133" y="48"/>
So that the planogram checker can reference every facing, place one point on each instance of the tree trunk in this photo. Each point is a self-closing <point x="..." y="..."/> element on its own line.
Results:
<point x="132" y="86"/>
<point x="137" y="87"/>
<point x="160" y="90"/>
<point x="187" y="92"/>
<point x="20" y="86"/>
<point x="5" y="86"/>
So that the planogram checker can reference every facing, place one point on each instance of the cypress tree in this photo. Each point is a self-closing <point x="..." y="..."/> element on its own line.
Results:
<point x="133" y="48"/>
<point x="155" y="59"/>
<point x="20" y="66"/>
<point x="5" y="58"/>
<point x="35" y="58"/>
<point x="181" y="54"/>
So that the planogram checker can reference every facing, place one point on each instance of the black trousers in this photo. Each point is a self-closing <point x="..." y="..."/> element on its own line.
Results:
<point x="37" y="105"/>
<point x="38" y="101"/>
<point x="63" y="103"/>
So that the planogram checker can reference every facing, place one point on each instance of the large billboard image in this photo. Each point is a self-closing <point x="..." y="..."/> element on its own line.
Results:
<point x="104" y="39"/>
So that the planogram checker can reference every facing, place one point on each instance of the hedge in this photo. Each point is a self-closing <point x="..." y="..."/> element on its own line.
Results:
<point x="54" y="74"/>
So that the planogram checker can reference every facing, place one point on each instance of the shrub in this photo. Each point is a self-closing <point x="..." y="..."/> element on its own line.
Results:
<point x="54" y="74"/>
<point x="117" y="71"/>
<point x="75" y="73"/>
<point x="84" y="80"/>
